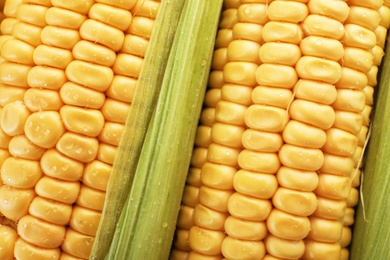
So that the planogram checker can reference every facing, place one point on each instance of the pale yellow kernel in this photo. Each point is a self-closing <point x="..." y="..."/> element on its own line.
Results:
<point x="384" y="12"/>
<point x="373" y="4"/>
<point x="141" y="26"/>
<point x="346" y="238"/>
<point x="366" y="114"/>
<point x="325" y="230"/>
<point x="296" y="179"/>
<point x="237" y="249"/>
<point x="358" y="36"/>
<point x="26" y="250"/>
<point x="255" y="184"/>
<point x="104" y="34"/>
<point x="219" y="59"/>
<point x="228" y="18"/>
<point x="283" y="32"/>
<point x="340" y="142"/>
<point x="51" y="211"/>
<point x="122" y="88"/>
<point x="322" y="47"/>
<point x="8" y="240"/>
<point x="111" y="133"/>
<point x="40" y="233"/>
<point x="357" y="157"/>
<point x="223" y="38"/>
<point x="9" y="94"/>
<point x="338" y="10"/>
<point x="60" y="37"/>
<point x="57" y="165"/>
<point x="320" y="25"/>
<point x="249" y="208"/>
<point x="259" y="161"/>
<point x="231" y="113"/>
<point x="46" y="77"/>
<point x="278" y="97"/>
<point x="180" y="243"/>
<point x="356" y="174"/>
<point x="37" y="99"/>
<point x="96" y="175"/>
<point x="318" y="115"/>
<point x="11" y="7"/>
<point x="44" y="128"/>
<point x="381" y="33"/>
<point x="14" y="74"/>
<point x="378" y="54"/>
<point x="116" y="17"/>
<point x="63" y="17"/>
<point x="193" y="177"/>
<point x="279" y="53"/>
<point x="266" y="118"/>
<point x="301" y="134"/>
<point x="362" y="135"/>
<point x="248" y="31"/>
<point x="243" y="50"/>
<point x="349" y="217"/>
<point x="13" y="117"/>
<point x="91" y="198"/>
<point x="17" y="51"/>
<point x="215" y="199"/>
<point x="287" y="226"/>
<point x="32" y="14"/>
<point x="128" y="65"/>
<point x="353" y="198"/>
<point x="218" y="176"/>
<point x="350" y="100"/>
<point x="336" y="164"/>
<point x="94" y="76"/>
<point x="300" y="203"/>
<point x="223" y="155"/>
<point x="275" y="75"/>
<point x="58" y="190"/>
<point x="20" y="173"/>
<point x="261" y="141"/>
<point x="135" y="45"/>
<point x="52" y="56"/>
<point x="252" y="13"/>
<point x="284" y="248"/>
<point x="190" y="196"/>
<point x="124" y="4"/>
<point x="4" y="142"/>
<point x="76" y="244"/>
<point x="212" y="97"/>
<point x="203" y="136"/>
<point x="333" y="186"/>
<point x="314" y="68"/>
<point x="76" y="95"/>
<point x="28" y="33"/>
<point x="84" y="220"/>
<point x="226" y="134"/>
<point x="39" y="2"/>
<point x="93" y="52"/>
<point x="21" y="147"/>
<point x="199" y="157"/>
<point x="207" y="116"/>
<point x="216" y="79"/>
<point x="146" y="8"/>
<point x="185" y="219"/>
<point x="15" y="202"/>
<point x="330" y="208"/>
<point x="7" y="24"/>
<point x="245" y="229"/>
<point x="287" y="11"/>
<point x="363" y="16"/>
<point x="4" y="38"/>
<point x="206" y="241"/>
<point x="309" y="159"/>
<point x="321" y="250"/>
<point x="79" y="147"/>
<point x="358" y="59"/>
<point x="209" y="218"/>
<point x="242" y="73"/>
<point x="74" y="5"/>
<point x="354" y="79"/>
<point x="106" y="153"/>
<point x="348" y="121"/>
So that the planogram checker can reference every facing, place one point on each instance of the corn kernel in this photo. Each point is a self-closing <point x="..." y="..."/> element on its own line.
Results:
<point x="64" y="17"/>
<point x="17" y="51"/>
<point x="322" y="47"/>
<point x="249" y="208"/>
<point x="28" y="33"/>
<point x="286" y="11"/>
<point x="358" y="36"/>
<point x="96" y="175"/>
<point x="50" y="210"/>
<point x="321" y="250"/>
<point x="336" y="164"/>
<point x="277" y="97"/>
<point x="7" y="242"/>
<point x="58" y="190"/>
<point x="219" y="59"/>
<point x="93" y="52"/>
<point x="214" y="198"/>
<point x="125" y="4"/>
<point x="32" y="14"/>
<point x="141" y="26"/>
<point x="284" y="248"/>
<point x="282" y="32"/>
<point x="20" y="173"/>
<point x="226" y="134"/>
<point x="52" y="56"/>
<point x="280" y="53"/>
<point x="147" y="9"/>
<point x="116" y="17"/>
<point x="266" y="118"/>
<point x="231" y="113"/>
<point x="76" y="244"/>
<point x="190" y="196"/>
<point x="77" y="95"/>
<point x="275" y="75"/>
<point x="338" y="10"/>
<point x="245" y="229"/>
<point x="205" y="217"/>
<point x="333" y="186"/>
<point x="15" y="202"/>
<point x="325" y="230"/>
<point x="25" y="250"/>
<point x="261" y="141"/>
<point x="13" y="117"/>
<point x="255" y="184"/>
<point x="84" y="220"/>
<point x="297" y="179"/>
<point x="228" y="19"/>
<point x="330" y="208"/>
<point x="91" y="198"/>
<point x="319" y="92"/>
<point x="287" y="226"/>
<point x="252" y="13"/>
<point x="206" y="241"/>
<point x="348" y="121"/>
<point x="237" y="249"/>
<point x="248" y="31"/>
<point x="301" y="134"/>
<point x="319" y="25"/>
<point x="242" y="73"/>
<point x="243" y="50"/>
<point x="309" y="159"/>
<point x="218" y="176"/>
<point x="259" y="161"/>
<point x="135" y="45"/>
<point x="106" y="153"/>
<point x="128" y="65"/>
<point x="14" y="74"/>
<point x="300" y="203"/>
<point x="122" y="88"/>
<point x="74" y="5"/>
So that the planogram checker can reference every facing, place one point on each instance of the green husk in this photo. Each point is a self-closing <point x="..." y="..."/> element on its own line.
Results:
<point x="143" y="105"/>
<point x="371" y="239"/>
<point x="147" y="223"/>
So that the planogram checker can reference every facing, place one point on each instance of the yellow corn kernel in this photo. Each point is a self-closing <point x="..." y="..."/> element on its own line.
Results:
<point x="358" y="36"/>
<point x="218" y="176"/>
<point x="249" y="208"/>
<point x="40" y="233"/>
<point x="125" y="4"/>
<point x="37" y="99"/>
<point x="77" y="95"/>
<point x="122" y="88"/>
<point x="284" y="248"/>
<point x="58" y="190"/>
<point x="287" y="226"/>
<point x="252" y="13"/>
<point x="28" y="33"/>
<point x="9" y="94"/>
<point x="229" y="112"/>
<point x="13" y="117"/>
<point x="322" y="47"/>
<point x="223" y="38"/>
<point x="14" y="74"/>
<point x="91" y="198"/>
<point x="358" y="59"/>
<point x="242" y="50"/>
<point x="297" y="179"/>
<point x="11" y="8"/>
<point x="228" y="18"/>
<point x="52" y="56"/>
<point x="309" y="159"/>
<point x="343" y="101"/>
<point x="141" y="26"/>
<point x="319" y="92"/>
<point x="325" y="230"/>
<point x="28" y="172"/>
<point x="193" y="177"/>
<point x="74" y="5"/>
<point x="248" y="31"/>
<point x="233" y="93"/>
<point x="348" y="121"/>
<point x="277" y="97"/>
<point x="238" y="249"/>
<point x="275" y="75"/>
<point x="7" y="242"/>
<point x="200" y="154"/>
<point x="340" y="142"/>
<point x="206" y="241"/>
<point x="349" y="218"/>
<point x="84" y="220"/>
<point x="106" y="153"/>
<point x="330" y="208"/>
<point x="46" y="77"/>
<point x="50" y="210"/>
<point x="78" y="147"/>
<point x="245" y="229"/>
<point x="225" y="134"/>
<point x="352" y="79"/>
<point x="363" y="16"/>
<point x="127" y="65"/>
<point x="93" y="52"/>
<point x="266" y="118"/>
<point x="380" y="34"/>
<point x="293" y="12"/>
<point x="259" y="161"/>
<point x="212" y="96"/>
<point x="346" y="238"/>
<point x="216" y="79"/>
<point x="334" y="9"/>
<point x="320" y="69"/>
<point x="32" y="14"/>
<point x="111" y="133"/>
<point x="301" y="203"/>
<point x="63" y="17"/>
<point x="191" y="196"/>
<point x="323" y="26"/>
<point x="15" y="202"/>
<point x="186" y="217"/>
<point x="284" y="32"/>
<point x="4" y="142"/>
<point x="335" y="164"/>
<point x="208" y="218"/>
<point x="321" y="250"/>
<point x="118" y="17"/>
<point x="17" y="51"/>
<point x="76" y="244"/>
<point x="26" y="250"/>
<point x="242" y="73"/>
<point x="280" y="53"/>
<point x="180" y="243"/>
<point x="301" y="134"/>
<point x="96" y="175"/>
<point x="214" y="198"/>
<point x="135" y="45"/>
<point x="261" y="141"/>
<point x="333" y="186"/>
<point x="255" y="184"/>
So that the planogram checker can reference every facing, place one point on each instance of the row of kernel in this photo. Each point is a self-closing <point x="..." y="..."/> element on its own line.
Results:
<point x="206" y="233"/>
<point x="194" y="191"/>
